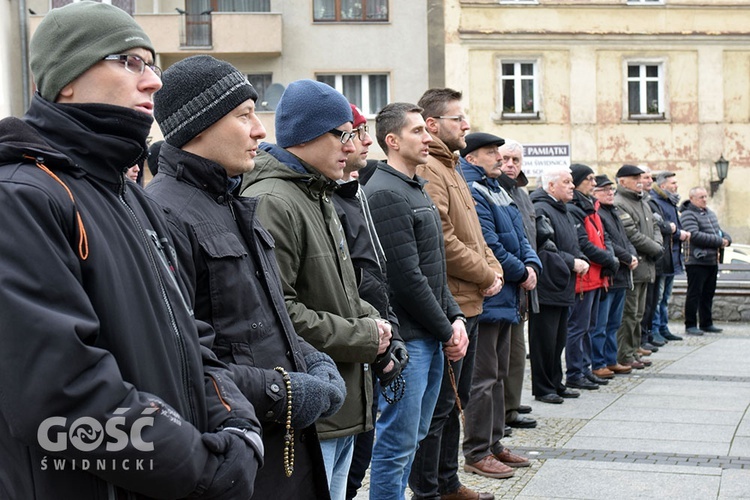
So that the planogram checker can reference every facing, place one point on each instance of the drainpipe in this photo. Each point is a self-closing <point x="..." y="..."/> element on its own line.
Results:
<point x="25" y="80"/>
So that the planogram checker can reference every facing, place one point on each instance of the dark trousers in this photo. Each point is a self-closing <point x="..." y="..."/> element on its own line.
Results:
<point x="648" y="313"/>
<point x="513" y="383"/>
<point x="485" y="416"/>
<point x="581" y="322"/>
<point x="548" y="330"/>
<point x="700" y="295"/>
<point x="435" y="468"/>
<point x="362" y="449"/>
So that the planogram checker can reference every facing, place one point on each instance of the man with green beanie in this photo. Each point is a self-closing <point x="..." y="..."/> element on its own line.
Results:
<point x="294" y="180"/>
<point x="112" y="405"/>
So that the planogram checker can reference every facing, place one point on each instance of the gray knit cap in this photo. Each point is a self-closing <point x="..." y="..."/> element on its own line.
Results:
<point x="71" y="39"/>
<point x="196" y="93"/>
<point x="308" y="109"/>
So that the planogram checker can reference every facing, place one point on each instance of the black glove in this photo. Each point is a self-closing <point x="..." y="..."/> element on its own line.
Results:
<point x="398" y="354"/>
<point x="231" y="469"/>
<point x="318" y="393"/>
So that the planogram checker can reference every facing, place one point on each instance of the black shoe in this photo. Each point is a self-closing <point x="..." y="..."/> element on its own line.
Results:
<point x="670" y="336"/>
<point x="550" y="398"/>
<point x="650" y="347"/>
<point x="693" y="330"/>
<point x="597" y="380"/>
<point x="712" y="329"/>
<point x="657" y="343"/>
<point x="568" y="394"/>
<point x="522" y="422"/>
<point x="507" y="431"/>
<point x="524" y="409"/>
<point x="582" y="383"/>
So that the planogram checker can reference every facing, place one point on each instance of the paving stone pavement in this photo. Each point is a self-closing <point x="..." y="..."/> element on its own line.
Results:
<point x="679" y="429"/>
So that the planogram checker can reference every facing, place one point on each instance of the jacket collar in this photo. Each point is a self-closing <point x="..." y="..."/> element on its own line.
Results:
<point x="417" y="181"/>
<point x="629" y="193"/>
<point x="440" y="152"/>
<point x="197" y="171"/>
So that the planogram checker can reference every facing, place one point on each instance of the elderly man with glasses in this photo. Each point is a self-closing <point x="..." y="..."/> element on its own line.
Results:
<point x="295" y="180"/>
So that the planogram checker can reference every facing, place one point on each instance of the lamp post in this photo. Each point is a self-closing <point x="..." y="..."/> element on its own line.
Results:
<point x="722" y="169"/>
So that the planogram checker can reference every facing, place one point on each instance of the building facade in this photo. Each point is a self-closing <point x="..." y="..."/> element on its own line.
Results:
<point x="663" y="83"/>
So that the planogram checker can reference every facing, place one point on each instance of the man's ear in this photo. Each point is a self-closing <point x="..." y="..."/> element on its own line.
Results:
<point x="391" y="140"/>
<point x="65" y="93"/>
<point x="431" y="124"/>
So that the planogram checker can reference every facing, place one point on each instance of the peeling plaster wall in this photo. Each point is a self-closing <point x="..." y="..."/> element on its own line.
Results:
<point x="582" y="48"/>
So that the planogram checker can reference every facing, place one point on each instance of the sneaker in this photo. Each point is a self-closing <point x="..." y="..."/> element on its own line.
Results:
<point x="489" y="466"/>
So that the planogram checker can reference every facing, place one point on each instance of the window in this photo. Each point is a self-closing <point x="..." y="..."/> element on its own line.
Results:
<point x="368" y="92"/>
<point x="645" y="90"/>
<point x="518" y="89"/>
<point x="207" y="6"/>
<point x="261" y="82"/>
<point x="350" y="10"/>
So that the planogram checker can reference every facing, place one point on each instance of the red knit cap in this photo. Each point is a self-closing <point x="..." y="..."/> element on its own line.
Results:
<point x="359" y="119"/>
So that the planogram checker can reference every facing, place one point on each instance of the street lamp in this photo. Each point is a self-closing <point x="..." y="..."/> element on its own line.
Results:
<point x="722" y="169"/>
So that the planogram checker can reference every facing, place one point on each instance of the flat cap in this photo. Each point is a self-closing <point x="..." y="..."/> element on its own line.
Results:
<point x="479" y="140"/>
<point x="602" y="180"/>
<point x="628" y="171"/>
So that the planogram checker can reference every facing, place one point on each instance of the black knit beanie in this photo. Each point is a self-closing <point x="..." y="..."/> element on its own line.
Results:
<point x="579" y="172"/>
<point x="71" y="39"/>
<point x="196" y="93"/>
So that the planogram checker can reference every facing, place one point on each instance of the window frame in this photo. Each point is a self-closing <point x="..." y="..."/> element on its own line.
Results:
<point x="364" y="87"/>
<point x="535" y="114"/>
<point x="267" y="75"/>
<point x="338" y="18"/>
<point x="643" y="79"/>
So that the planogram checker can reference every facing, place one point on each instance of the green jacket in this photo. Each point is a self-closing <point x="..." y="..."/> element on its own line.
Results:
<point x="319" y="283"/>
<point x="642" y="231"/>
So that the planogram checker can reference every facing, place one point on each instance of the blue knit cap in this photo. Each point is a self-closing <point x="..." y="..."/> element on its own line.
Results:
<point x="307" y="110"/>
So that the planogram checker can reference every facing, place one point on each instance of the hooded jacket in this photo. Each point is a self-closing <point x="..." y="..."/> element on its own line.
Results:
<point x="409" y="227"/>
<point x="317" y="277"/>
<point x="556" y="287"/>
<point x="471" y="264"/>
<point x="502" y="227"/>
<point x="704" y="245"/>
<point x="594" y="244"/>
<point x="642" y="230"/>
<point x="219" y="241"/>
<point x="95" y="319"/>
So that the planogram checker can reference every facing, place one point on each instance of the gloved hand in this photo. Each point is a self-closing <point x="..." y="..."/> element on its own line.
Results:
<point x="398" y="354"/>
<point x="318" y="393"/>
<point x="231" y="469"/>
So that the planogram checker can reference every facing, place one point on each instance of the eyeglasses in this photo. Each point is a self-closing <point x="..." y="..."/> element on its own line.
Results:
<point x="362" y="131"/>
<point x="455" y="118"/>
<point x="134" y="64"/>
<point x="343" y="135"/>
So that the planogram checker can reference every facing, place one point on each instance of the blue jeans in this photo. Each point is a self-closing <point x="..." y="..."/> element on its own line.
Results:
<point x="402" y="425"/>
<point x="663" y="293"/>
<point x="582" y="319"/>
<point x="604" y="335"/>
<point x="337" y="457"/>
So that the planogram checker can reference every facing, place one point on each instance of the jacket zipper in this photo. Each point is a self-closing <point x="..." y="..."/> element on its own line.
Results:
<point x="179" y="340"/>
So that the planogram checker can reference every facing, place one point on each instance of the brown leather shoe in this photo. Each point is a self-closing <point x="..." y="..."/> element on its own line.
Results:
<point x="511" y="459"/>
<point x="489" y="466"/>
<point x="604" y="373"/>
<point x="636" y="365"/>
<point x="464" y="493"/>
<point x="644" y="352"/>
<point x="620" y="369"/>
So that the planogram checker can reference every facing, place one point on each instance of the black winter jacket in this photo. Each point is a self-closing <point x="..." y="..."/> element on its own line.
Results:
<point x="705" y="235"/>
<point x="95" y="319"/>
<point x="220" y="242"/>
<point x="410" y="231"/>
<point x="566" y="241"/>
<point x="623" y="248"/>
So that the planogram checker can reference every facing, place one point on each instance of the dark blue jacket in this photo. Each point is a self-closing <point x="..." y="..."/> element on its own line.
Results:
<point x="502" y="227"/>
<point x="672" y="259"/>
